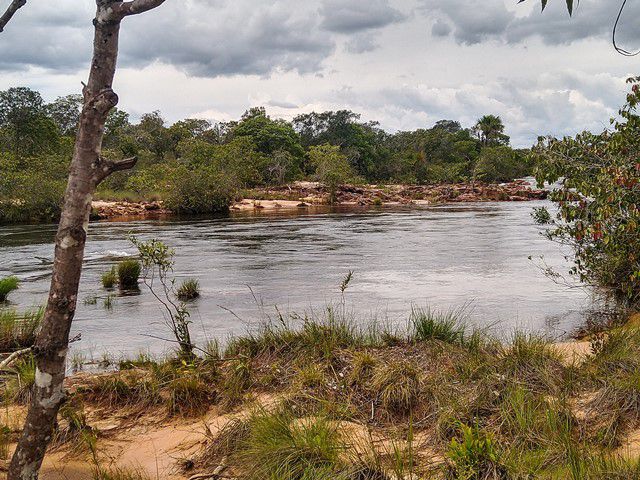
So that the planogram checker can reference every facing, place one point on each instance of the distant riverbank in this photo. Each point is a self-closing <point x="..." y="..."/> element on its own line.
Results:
<point x="301" y="195"/>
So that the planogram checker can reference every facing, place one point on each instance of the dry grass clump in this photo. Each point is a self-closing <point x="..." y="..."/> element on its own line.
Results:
<point x="613" y="372"/>
<point x="398" y="386"/>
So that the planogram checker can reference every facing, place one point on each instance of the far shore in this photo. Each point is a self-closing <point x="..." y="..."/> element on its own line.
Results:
<point x="309" y="195"/>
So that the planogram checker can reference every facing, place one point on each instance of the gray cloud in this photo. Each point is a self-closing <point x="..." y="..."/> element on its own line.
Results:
<point x="440" y="29"/>
<point x="362" y="43"/>
<point x="357" y="15"/>
<point x="203" y="38"/>
<point x="474" y="21"/>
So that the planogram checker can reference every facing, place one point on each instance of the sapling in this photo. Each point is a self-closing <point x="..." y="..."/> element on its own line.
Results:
<point x="157" y="264"/>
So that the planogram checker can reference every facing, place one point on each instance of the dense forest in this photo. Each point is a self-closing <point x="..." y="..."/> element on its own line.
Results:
<point x="199" y="167"/>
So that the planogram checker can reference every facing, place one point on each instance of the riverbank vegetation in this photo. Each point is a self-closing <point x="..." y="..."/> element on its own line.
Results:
<point x="319" y="397"/>
<point x="598" y="201"/>
<point x="199" y="167"/>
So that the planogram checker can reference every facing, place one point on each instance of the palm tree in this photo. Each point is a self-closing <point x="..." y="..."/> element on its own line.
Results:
<point x="490" y="130"/>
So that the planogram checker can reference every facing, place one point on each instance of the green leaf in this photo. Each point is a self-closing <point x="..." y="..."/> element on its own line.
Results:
<point x="569" y="6"/>
<point x="544" y="4"/>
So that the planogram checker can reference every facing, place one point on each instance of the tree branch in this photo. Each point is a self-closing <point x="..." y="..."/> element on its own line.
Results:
<point x="10" y="12"/>
<point x="13" y="357"/>
<point x="105" y="167"/>
<point x="117" y="11"/>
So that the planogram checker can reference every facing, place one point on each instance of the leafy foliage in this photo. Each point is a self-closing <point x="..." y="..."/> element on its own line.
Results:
<point x="598" y="200"/>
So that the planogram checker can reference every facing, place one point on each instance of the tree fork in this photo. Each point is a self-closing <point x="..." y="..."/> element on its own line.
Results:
<point x="88" y="169"/>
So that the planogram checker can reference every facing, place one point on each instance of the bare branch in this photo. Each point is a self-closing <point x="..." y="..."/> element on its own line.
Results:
<point x="105" y="167"/>
<point x="11" y="10"/>
<point x="118" y="11"/>
<point x="13" y="357"/>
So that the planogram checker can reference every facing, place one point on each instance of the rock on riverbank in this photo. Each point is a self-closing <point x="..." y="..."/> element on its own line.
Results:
<point x="305" y="194"/>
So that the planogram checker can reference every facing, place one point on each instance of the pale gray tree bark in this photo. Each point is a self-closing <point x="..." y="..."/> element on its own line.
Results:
<point x="88" y="169"/>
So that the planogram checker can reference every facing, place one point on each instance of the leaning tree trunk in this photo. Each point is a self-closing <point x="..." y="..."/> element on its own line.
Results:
<point x="88" y="169"/>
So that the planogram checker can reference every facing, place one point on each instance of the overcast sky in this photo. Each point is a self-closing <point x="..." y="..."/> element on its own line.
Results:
<point x="405" y="63"/>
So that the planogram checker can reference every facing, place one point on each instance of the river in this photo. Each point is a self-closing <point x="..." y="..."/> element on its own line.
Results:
<point x="247" y="264"/>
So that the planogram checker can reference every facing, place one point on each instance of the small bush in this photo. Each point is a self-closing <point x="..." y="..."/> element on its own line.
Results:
<point x="206" y="190"/>
<point x="188" y="290"/>
<point x="7" y="285"/>
<point x="109" y="278"/>
<point x="474" y="456"/>
<point x="128" y="274"/>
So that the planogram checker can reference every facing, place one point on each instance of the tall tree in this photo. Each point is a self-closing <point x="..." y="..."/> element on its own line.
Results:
<point x="88" y="169"/>
<point x="490" y="130"/>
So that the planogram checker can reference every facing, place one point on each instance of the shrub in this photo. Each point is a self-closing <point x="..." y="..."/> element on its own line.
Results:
<point x="332" y="167"/>
<point x="109" y="278"/>
<point x="129" y="273"/>
<point x="7" y="285"/>
<point x="474" y="456"/>
<point x="188" y="290"/>
<point x="598" y="200"/>
<point x="205" y="190"/>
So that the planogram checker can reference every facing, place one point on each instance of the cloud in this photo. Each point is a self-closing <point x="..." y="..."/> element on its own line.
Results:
<point x="475" y="21"/>
<point x="557" y="104"/>
<point x="203" y="38"/>
<point x="358" y="15"/>
<point x="362" y="43"/>
<point x="440" y="29"/>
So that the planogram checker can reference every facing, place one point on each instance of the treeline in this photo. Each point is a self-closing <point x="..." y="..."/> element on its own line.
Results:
<point x="196" y="166"/>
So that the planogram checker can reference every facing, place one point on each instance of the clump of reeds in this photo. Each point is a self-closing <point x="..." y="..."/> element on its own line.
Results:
<point x="188" y="290"/>
<point x="128" y="274"/>
<point x="19" y="330"/>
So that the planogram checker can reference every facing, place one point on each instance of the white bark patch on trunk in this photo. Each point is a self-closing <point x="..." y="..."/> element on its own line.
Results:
<point x="43" y="379"/>
<point x="54" y="400"/>
<point x="68" y="242"/>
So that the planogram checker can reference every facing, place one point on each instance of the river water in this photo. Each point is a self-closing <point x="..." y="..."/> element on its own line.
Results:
<point x="442" y="256"/>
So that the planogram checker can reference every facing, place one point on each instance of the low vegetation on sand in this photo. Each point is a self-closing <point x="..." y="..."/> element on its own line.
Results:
<point x="326" y="398"/>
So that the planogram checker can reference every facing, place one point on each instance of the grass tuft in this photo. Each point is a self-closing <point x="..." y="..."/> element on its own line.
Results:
<point x="128" y="274"/>
<point x="397" y="385"/>
<point x="188" y="290"/>
<point x="279" y="445"/>
<point x="7" y="285"/>
<point x="19" y="330"/>
<point x="109" y="278"/>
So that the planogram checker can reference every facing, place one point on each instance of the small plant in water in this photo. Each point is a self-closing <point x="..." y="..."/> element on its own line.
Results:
<point x="129" y="273"/>
<point x="157" y="263"/>
<point x="188" y="290"/>
<point x="109" y="278"/>
<point x="7" y="285"/>
<point x="108" y="302"/>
